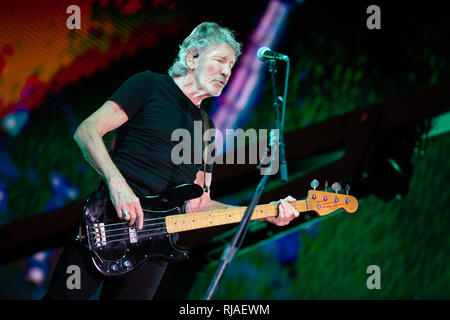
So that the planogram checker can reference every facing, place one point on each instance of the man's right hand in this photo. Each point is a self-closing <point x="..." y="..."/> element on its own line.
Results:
<point x="124" y="199"/>
<point x="89" y="136"/>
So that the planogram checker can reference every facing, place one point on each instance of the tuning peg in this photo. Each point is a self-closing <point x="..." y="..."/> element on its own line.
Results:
<point x="326" y="185"/>
<point x="336" y="187"/>
<point x="314" y="184"/>
<point x="347" y="189"/>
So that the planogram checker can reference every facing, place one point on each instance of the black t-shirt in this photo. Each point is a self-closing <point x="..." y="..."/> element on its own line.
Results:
<point x="155" y="107"/>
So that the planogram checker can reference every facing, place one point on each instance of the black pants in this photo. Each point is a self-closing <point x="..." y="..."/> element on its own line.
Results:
<point x="138" y="284"/>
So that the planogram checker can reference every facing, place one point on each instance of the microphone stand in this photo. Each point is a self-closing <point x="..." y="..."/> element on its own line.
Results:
<point x="239" y="236"/>
<point x="280" y="126"/>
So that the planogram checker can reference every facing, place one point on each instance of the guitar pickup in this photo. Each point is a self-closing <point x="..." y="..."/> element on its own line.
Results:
<point x="133" y="235"/>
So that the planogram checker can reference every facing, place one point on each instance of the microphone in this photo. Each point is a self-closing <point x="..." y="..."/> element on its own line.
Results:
<point x="265" y="53"/>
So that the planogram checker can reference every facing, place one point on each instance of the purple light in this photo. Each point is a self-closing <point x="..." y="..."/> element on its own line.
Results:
<point x="243" y="88"/>
<point x="35" y="275"/>
<point x="3" y="196"/>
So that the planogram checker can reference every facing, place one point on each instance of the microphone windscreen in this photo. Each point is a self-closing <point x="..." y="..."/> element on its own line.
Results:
<point x="260" y="53"/>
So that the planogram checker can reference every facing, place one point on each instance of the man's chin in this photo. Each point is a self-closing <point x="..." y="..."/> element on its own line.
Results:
<point x="216" y="93"/>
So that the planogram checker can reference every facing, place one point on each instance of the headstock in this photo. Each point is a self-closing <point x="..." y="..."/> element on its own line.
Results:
<point x="324" y="202"/>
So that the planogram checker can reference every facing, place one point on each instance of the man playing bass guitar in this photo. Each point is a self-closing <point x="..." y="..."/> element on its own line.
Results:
<point x="145" y="110"/>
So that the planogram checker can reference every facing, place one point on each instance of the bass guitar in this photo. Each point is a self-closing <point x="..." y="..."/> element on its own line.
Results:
<point x="118" y="248"/>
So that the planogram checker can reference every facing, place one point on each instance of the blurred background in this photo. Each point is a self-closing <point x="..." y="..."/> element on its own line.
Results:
<point x="365" y="107"/>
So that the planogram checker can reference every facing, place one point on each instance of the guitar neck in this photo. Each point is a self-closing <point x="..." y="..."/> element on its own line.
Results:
<point x="193" y="221"/>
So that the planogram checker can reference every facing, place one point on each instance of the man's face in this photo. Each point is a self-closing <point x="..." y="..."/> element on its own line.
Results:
<point x="213" y="68"/>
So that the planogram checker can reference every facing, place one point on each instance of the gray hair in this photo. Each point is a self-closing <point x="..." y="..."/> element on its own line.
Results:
<point x="203" y="36"/>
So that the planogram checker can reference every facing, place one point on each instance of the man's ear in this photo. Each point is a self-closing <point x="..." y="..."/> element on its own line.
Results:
<point x="192" y="58"/>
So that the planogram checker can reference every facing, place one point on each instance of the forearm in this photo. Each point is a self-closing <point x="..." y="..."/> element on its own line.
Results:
<point x="201" y="205"/>
<point x="96" y="154"/>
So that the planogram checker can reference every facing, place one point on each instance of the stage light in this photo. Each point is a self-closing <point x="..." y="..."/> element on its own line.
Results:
<point x="62" y="192"/>
<point x="14" y="122"/>
<point x="38" y="267"/>
<point x="3" y="196"/>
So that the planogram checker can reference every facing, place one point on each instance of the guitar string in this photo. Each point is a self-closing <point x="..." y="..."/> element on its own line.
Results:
<point x="139" y="231"/>
<point x="117" y="240"/>
<point x="186" y="217"/>
<point x="164" y="218"/>
<point x="236" y="209"/>
<point x="153" y="229"/>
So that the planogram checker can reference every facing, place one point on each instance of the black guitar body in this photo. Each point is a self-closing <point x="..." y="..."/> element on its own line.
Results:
<point x="117" y="248"/>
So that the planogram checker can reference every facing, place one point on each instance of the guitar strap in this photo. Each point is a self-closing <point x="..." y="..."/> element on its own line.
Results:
<point x="205" y="145"/>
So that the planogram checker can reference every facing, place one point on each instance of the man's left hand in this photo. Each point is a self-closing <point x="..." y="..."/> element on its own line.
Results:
<point x="286" y="212"/>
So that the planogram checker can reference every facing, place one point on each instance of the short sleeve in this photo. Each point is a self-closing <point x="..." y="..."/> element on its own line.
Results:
<point x="132" y="93"/>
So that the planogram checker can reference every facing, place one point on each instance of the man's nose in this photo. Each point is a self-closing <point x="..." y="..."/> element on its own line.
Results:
<point x="226" y="71"/>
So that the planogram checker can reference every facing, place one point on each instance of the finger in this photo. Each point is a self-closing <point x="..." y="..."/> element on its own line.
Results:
<point x="270" y="219"/>
<point x="288" y="212"/>
<point x="277" y="221"/>
<point x="288" y="203"/>
<point x="120" y="213"/>
<point x="132" y="217"/>
<point x="140" y="215"/>
<point x="293" y="212"/>
<point x="290" y="199"/>
<point x="281" y="210"/>
<point x="125" y="212"/>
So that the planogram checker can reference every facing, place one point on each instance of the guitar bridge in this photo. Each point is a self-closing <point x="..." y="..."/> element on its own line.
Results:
<point x="99" y="234"/>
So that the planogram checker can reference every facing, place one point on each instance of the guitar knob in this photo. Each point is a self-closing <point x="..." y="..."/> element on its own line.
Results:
<point x="114" y="267"/>
<point x="314" y="184"/>
<point x="126" y="264"/>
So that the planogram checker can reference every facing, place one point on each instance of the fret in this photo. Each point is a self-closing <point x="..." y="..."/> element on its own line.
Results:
<point x="198" y="220"/>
